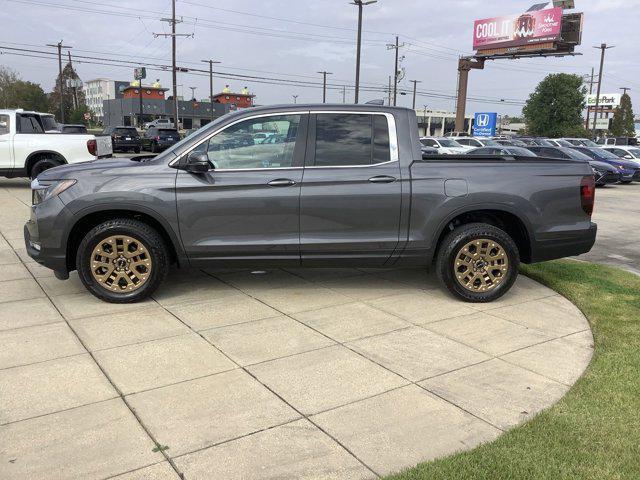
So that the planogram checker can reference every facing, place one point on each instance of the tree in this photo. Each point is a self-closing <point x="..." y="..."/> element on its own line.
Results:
<point x="622" y="124"/>
<point x="77" y="115"/>
<point x="555" y="108"/>
<point x="17" y="93"/>
<point x="72" y="98"/>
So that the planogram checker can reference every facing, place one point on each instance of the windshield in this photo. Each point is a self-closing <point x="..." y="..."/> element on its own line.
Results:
<point x="574" y="154"/>
<point x="635" y="152"/>
<point x="74" y="129"/>
<point x="588" y="143"/>
<point x="488" y="142"/>
<point x="449" y="143"/>
<point x="167" y="132"/>
<point x="600" y="153"/>
<point x="563" y="143"/>
<point x="523" y="152"/>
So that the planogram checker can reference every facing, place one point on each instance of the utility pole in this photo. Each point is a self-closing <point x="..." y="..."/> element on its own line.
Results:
<point x="360" y="4"/>
<point x="174" y="68"/>
<point x="397" y="47"/>
<point x="415" y="87"/>
<point x="60" y="46"/>
<point x="295" y="98"/>
<point x="389" y="91"/>
<point x="591" y="82"/>
<point x="324" y="85"/>
<point x="625" y="90"/>
<point x="603" y="48"/>
<point x="210" y="62"/>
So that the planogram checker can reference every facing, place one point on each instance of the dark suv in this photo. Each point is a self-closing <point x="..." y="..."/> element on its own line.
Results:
<point x="124" y="139"/>
<point x="158" y="139"/>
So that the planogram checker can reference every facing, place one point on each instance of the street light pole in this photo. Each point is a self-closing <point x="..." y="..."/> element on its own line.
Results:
<point x="295" y="98"/>
<point x="603" y="48"/>
<point x="324" y="84"/>
<point x="415" y="86"/>
<point x="360" y="4"/>
<point x="210" y="62"/>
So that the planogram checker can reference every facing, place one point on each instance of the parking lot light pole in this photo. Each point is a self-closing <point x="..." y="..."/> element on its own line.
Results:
<point x="324" y="85"/>
<point x="415" y="86"/>
<point x="211" y="62"/>
<point x="295" y="98"/>
<point x="360" y="4"/>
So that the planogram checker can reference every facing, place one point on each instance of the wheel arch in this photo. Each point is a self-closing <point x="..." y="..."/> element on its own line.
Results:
<point x="89" y="219"/>
<point x="39" y="155"/>
<point x="514" y="225"/>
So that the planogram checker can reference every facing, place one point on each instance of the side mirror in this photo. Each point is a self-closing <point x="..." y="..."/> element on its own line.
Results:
<point x="197" y="162"/>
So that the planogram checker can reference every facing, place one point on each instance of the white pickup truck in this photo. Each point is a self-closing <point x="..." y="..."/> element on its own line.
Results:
<point x="26" y="150"/>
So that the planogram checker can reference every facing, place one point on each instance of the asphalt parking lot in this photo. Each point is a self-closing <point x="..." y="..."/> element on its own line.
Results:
<point x="339" y="373"/>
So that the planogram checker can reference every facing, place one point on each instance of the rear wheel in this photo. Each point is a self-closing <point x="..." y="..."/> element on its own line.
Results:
<point x="477" y="262"/>
<point x="42" y="165"/>
<point x="122" y="260"/>
<point x="136" y="150"/>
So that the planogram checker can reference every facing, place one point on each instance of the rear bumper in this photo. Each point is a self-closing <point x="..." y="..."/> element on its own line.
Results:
<point x="126" y="144"/>
<point x="568" y="244"/>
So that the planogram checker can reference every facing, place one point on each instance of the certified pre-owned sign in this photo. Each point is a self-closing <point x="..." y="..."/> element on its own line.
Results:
<point x="484" y="124"/>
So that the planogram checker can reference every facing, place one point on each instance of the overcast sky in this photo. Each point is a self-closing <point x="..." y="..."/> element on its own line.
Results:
<point x="293" y="39"/>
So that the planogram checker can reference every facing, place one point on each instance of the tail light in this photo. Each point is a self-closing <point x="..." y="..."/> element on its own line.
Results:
<point x="158" y="138"/>
<point x="587" y="193"/>
<point x="92" y="146"/>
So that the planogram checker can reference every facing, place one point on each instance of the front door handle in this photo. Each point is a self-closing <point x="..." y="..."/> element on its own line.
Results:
<point x="281" y="182"/>
<point x="382" y="179"/>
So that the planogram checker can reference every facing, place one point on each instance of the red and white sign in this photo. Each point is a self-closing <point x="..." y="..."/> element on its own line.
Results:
<point x="515" y="30"/>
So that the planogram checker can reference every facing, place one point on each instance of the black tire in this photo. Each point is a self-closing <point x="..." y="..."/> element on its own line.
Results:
<point x="136" y="150"/>
<point x="42" y="165"/>
<point x="452" y="246"/>
<point x="140" y="231"/>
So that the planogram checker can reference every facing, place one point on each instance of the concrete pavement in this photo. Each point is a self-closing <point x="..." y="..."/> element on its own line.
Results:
<point x="332" y="373"/>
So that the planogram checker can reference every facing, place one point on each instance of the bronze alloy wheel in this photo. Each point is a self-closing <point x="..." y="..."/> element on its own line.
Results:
<point x="481" y="265"/>
<point x="120" y="263"/>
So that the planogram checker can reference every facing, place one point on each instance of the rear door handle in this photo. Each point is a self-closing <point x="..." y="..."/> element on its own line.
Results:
<point x="382" y="179"/>
<point x="281" y="182"/>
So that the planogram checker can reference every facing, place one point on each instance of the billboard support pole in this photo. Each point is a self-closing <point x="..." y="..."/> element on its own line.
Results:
<point x="603" y="47"/>
<point x="465" y="64"/>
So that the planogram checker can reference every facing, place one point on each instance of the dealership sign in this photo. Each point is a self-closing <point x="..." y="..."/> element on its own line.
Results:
<point x="541" y="26"/>
<point x="484" y="124"/>
<point x="602" y="123"/>
<point x="606" y="100"/>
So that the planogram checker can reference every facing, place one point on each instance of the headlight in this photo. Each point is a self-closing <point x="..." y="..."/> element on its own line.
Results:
<point x="620" y="167"/>
<point x="41" y="191"/>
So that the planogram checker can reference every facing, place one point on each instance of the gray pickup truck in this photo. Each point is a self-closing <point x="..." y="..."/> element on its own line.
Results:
<point x="308" y="185"/>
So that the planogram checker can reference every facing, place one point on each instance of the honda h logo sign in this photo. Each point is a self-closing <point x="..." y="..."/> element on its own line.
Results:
<point x="484" y="124"/>
<point x="482" y="120"/>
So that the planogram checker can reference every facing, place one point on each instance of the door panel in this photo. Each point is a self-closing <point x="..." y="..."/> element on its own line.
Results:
<point x="246" y="214"/>
<point x="349" y="212"/>
<point x="6" y="150"/>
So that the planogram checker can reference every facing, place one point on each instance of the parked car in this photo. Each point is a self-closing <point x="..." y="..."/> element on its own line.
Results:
<point x="626" y="152"/>
<point x="68" y="128"/>
<point x="629" y="170"/>
<point x="125" y="139"/>
<point x="529" y="141"/>
<point x="502" y="151"/>
<point x="476" y="142"/>
<point x="604" y="173"/>
<point x="581" y="142"/>
<point x="330" y="195"/>
<point x="445" y="146"/>
<point x="559" y="142"/>
<point x="25" y="149"/>
<point x="510" y="142"/>
<point x="624" y="141"/>
<point x="160" y="123"/>
<point x="158" y="139"/>
<point x="456" y="134"/>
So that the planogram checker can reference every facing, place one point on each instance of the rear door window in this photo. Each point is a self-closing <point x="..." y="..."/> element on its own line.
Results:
<point x="343" y="140"/>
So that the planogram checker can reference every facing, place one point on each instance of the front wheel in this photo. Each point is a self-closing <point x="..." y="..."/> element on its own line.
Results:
<point x="477" y="262"/>
<point x="122" y="260"/>
<point x="42" y="165"/>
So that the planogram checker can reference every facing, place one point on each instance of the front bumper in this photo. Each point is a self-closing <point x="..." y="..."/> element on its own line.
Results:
<point x="44" y="235"/>
<point x="567" y="244"/>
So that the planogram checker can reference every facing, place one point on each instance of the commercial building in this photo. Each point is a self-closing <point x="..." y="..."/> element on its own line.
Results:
<point x="100" y="89"/>
<point x="437" y="123"/>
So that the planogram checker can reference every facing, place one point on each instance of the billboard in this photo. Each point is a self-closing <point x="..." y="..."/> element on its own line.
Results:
<point x="606" y="100"/>
<point x="484" y="124"/>
<point x="531" y="28"/>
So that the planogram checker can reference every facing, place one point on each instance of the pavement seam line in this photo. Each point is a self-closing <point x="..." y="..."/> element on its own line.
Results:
<point x="113" y="385"/>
